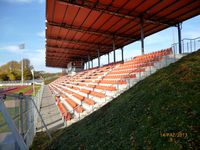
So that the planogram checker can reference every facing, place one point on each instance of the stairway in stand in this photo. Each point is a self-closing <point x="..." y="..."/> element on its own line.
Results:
<point x="49" y="112"/>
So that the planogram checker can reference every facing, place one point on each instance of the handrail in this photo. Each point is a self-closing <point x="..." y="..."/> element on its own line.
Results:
<point x="188" y="45"/>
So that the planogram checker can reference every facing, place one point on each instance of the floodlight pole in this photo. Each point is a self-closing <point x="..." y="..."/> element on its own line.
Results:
<point x="142" y="34"/>
<point x="22" y="71"/>
<point x="21" y="46"/>
<point x="32" y="71"/>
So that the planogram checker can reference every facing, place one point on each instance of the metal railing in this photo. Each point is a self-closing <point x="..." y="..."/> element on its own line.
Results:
<point x="19" y="115"/>
<point x="188" y="45"/>
<point x="20" y="82"/>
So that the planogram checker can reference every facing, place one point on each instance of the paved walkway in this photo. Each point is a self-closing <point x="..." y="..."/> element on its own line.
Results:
<point x="49" y="112"/>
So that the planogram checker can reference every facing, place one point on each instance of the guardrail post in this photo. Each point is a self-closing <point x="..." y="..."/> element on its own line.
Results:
<point x="21" y="97"/>
<point x="190" y="45"/>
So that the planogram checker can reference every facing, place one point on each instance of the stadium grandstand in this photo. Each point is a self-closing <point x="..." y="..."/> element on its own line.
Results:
<point x="80" y="31"/>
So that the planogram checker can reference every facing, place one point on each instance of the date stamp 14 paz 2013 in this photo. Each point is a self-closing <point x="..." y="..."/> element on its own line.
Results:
<point x="174" y="135"/>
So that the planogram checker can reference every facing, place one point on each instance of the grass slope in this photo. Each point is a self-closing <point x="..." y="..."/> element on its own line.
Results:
<point x="165" y="102"/>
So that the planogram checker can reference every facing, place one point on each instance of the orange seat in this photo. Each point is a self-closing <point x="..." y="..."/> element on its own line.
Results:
<point x="71" y="102"/>
<point x="79" y="109"/>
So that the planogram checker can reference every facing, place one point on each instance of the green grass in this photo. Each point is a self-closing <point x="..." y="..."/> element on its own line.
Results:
<point x="24" y="90"/>
<point x="165" y="102"/>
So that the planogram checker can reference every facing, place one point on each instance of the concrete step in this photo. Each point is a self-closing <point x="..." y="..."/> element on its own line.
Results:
<point x="49" y="112"/>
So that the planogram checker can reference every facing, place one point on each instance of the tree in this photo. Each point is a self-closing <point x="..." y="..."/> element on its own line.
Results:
<point x="18" y="75"/>
<point x="10" y="66"/>
<point x="11" y="76"/>
<point x="26" y="64"/>
<point x="27" y="74"/>
<point x="3" y="77"/>
<point x="12" y="70"/>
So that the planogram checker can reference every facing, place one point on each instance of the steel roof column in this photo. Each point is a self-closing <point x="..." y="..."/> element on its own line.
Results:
<point x="84" y="66"/>
<point x="88" y="61"/>
<point x="142" y="34"/>
<point x="114" y="50"/>
<point x="92" y="62"/>
<point x="122" y="49"/>
<point x="108" y="58"/>
<point x="98" y="53"/>
<point x="179" y="27"/>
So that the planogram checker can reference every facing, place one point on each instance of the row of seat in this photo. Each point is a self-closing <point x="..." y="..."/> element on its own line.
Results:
<point x="64" y="113"/>
<point x="79" y="93"/>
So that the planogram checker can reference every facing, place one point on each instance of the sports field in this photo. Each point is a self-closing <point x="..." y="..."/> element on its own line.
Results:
<point x="25" y="89"/>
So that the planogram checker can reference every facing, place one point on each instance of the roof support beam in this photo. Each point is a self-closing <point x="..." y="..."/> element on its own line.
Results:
<point x="90" y="31"/>
<point x="59" y="54"/>
<point x="89" y="5"/>
<point x="70" y="49"/>
<point x="64" y="55"/>
<point x="80" y="42"/>
<point x="53" y="59"/>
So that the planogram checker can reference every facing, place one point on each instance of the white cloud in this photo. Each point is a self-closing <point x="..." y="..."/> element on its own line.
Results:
<point x="11" y="48"/>
<point x="37" y="59"/>
<point x="41" y="34"/>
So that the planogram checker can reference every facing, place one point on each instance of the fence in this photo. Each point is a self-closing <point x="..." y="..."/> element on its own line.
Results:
<point x="18" y="82"/>
<point x="188" y="45"/>
<point x="19" y="115"/>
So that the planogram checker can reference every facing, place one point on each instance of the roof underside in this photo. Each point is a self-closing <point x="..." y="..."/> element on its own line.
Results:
<point x="76" y="29"/>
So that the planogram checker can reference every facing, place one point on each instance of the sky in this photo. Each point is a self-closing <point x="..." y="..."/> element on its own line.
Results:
<point x="23" y="21"/>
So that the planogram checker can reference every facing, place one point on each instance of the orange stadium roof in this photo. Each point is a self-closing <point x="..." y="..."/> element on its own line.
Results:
<point x="76" y="29"/>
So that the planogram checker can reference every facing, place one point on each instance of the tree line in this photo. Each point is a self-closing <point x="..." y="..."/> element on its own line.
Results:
<point x="11" y="71"/>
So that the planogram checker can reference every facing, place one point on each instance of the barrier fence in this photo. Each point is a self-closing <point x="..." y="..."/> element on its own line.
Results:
<point x="188" y="45"/>
<point x="19" y="82"/>
<point x="19" y="115"/>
